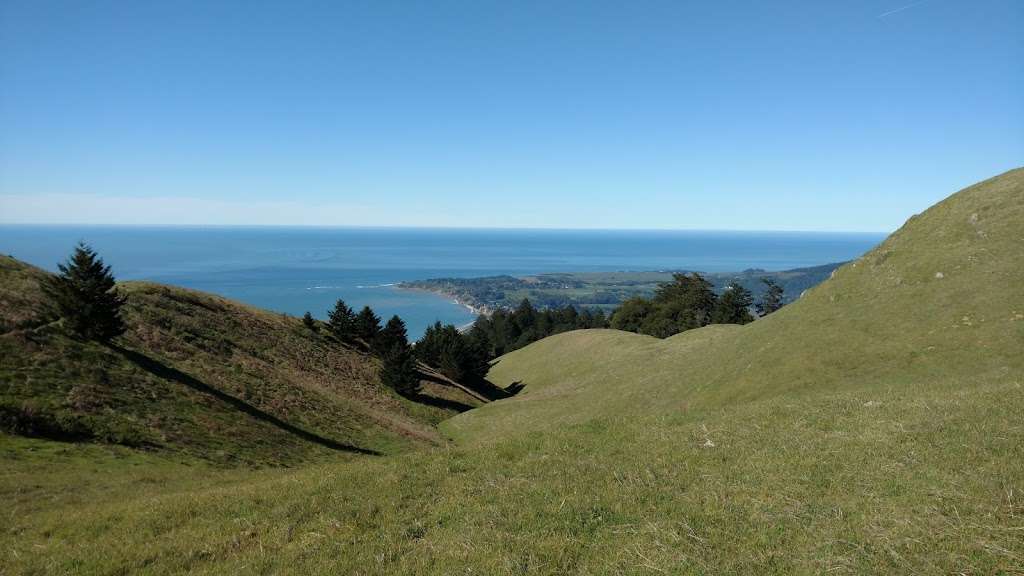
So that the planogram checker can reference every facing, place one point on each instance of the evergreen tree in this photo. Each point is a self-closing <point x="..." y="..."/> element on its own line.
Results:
<point x="772" y="299"/>
<point x="631" y="314"/>
<point x="481" y="338"/>
<point x="477" y="360"/>
<point x="461" y="357"/>
<point x="688" y="301"/>
<point x="499" y="332"/>
<point x="661" y="324"/>
<point x="733" y="306"/>
<point x="398" y="370"/>
<point x="308" y="321"/>
<point x="342" y="321"/>
<point x="428" y="348"/>
<point x="450" y="362"/>
<point x="525" y="316"/>
<point x="84" y="294"/>
<point x="367" y="325"/>
<point x="393" y="334"/>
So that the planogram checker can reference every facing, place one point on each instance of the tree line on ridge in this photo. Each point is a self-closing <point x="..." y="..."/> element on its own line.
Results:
<point x="84" y="296"/>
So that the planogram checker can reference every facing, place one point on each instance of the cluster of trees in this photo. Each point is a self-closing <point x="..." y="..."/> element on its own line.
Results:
<point x="390" y="343"/>
<point x="455" y="354"/>
<point x="508" y="330"/>
<point x="85" y="296"/>
<point x="465" y="355"/>
<point x="688" y="302"/>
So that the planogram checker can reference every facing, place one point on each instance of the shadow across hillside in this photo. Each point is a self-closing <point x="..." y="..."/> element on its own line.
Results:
<point x="515" y="388"/>
<point x="166" y="372"/>
<point x="482" y="387"/>
<point x="436" y="402"/>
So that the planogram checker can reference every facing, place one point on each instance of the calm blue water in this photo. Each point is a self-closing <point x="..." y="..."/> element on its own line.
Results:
<point x="297" y="269"/>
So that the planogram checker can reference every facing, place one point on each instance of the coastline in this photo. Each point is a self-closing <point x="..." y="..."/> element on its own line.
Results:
<point x="476" y="308"/>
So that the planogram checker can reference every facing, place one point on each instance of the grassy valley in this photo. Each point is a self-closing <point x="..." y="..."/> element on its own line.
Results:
<point x="872" y="426"/>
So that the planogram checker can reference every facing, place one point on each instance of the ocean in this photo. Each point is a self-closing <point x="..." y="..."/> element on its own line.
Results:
<point x="295" y="269"/>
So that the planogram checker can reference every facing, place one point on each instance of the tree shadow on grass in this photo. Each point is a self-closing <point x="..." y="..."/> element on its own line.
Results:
<point x="486" y="389"/>
<point x="439" y="402"/>
<point x="514" y="388"/>
<point x="166" y="372"/>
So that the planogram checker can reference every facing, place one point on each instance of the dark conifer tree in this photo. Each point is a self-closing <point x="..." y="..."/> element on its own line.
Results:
<point x="398" y="370"/>
<point x="308" y="321"/>
<point x="477" y="360"/>
<point x="461" y="357"/>
<point x="428" y="348"/>
<point x="449" y="364"/>
<point x="84" y="294"/>
<point x="367" y="325"/>
<point x="630" y="316"/>
<point x="772" y="299"/>
<point x="481" y="338"/>
<point x="342" y="321"/>
<point x="688" y="301"/>
<point x="525" y="316"/>
<point x="733" y="306"/>
<point x="393" y="334"/>
<point x="501" y="330"/>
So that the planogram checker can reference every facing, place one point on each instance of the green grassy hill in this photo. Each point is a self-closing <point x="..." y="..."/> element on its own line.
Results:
<point x="199" y="375"/>
<point x="873" y="427"/>
<point x="938" y="307"/>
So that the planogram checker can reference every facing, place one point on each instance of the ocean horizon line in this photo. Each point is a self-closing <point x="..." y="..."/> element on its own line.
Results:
<point x="143" y="226"/>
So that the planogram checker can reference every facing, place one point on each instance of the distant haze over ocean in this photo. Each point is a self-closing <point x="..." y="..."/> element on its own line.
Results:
<point x="297" y="269"/>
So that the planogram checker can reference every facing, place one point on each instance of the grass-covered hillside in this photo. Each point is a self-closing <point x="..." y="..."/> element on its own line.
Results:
<point x="938" y="307"/>
<point x="199" y="375"/>
<point x="872" y="427"/>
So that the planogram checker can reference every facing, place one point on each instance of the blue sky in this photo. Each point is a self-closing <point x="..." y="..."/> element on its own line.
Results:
<point x="707" y="115"/>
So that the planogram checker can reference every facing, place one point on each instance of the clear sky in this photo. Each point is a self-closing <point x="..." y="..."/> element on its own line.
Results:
<point x="797" y="115"/>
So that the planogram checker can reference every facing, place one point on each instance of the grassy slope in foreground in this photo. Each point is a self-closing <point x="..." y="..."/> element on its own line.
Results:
<point x="853" y="448"/>
<point x="199" y="376"/>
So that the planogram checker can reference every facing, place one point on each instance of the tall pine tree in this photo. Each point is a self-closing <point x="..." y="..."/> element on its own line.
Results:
<point x="393" y="334"/>
<point x="367" y="325"/>
<point x="84" y="294"/>
<point x="398" y="370"/>
<point x="398" y="365"/>
<point x="342" y="321"/>
<point x="733" y="306"/>
<point x="772" y="299"/>
<point x="308" y="321"/>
